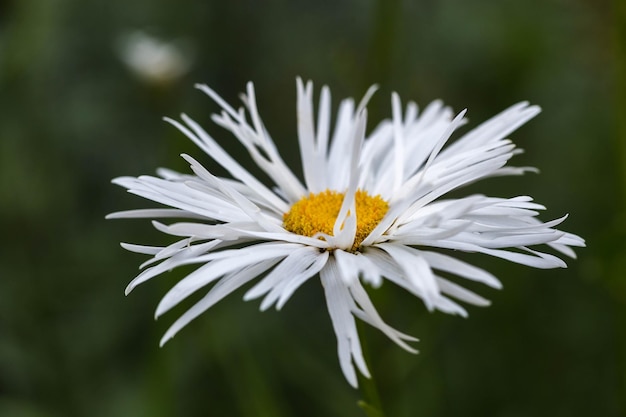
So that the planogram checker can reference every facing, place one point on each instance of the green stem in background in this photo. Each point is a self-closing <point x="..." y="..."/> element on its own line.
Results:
<point x="382" y="47"/>
<point x="386" y="13"/>
<point x="620" y="74"/>
<point x="370" y="402"/>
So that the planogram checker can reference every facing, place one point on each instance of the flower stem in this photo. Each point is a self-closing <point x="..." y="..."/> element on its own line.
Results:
<point x="371" y="406"/>
<point x="370" y="402"/>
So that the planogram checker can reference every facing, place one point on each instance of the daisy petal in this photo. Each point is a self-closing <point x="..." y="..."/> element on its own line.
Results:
<point x="224" y="287"/>
<point x="339" y="302"/>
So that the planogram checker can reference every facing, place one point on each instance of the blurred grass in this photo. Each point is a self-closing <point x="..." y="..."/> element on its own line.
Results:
<point x="73" y="117"/>
<point x="618" y="282"/>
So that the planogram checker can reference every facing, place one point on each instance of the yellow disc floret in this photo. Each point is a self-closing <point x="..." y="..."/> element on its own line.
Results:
<point x="317" y="213"/>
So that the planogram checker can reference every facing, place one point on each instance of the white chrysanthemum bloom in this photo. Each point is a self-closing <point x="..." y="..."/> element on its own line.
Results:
<point x="371" y="208"/>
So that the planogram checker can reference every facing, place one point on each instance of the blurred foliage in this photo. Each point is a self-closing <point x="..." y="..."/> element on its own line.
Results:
<point x="72" y="117"/>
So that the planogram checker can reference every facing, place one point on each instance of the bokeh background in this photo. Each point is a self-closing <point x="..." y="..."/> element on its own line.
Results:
<point x="74" y="114"/>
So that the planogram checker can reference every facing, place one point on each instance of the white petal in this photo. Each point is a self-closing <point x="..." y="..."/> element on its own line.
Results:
<point x="206" y="143"/>
<point x="416" y="270"/>
<point x="146" y="250"/>
<point x="224" y="287"/>
<point x="296" y="262"/>
<point x="339" y="301"/>
<point x="398" y="148"/>
<point x="392" y="271"/>
<point x="323" y="127"/>
<point x="281" y="292"/>
<point x="338" y="175"/>
<point x="306" y="136"/>
<point x="371" y="316"/>
<point x="152" y="213"/>
<point x="463" y="294"/>
<point x="496" y="128"/>
<point x="222" y="263"/>
<point x="455" y="266"/>
<point x="181" y="246"/>
<point x="539" y="260"/>
<point x="183" y="257"/>
<point x="247" y="206"/>
<point x="344" y="229"/>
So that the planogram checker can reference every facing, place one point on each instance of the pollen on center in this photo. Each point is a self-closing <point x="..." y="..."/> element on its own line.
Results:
<point x="316" y="213"/>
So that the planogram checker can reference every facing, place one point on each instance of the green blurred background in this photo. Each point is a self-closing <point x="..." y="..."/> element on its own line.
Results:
<point x="73" y="116"/>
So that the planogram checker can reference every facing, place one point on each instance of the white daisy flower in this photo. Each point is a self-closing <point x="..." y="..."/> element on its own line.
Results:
<point x="371" y="208"/>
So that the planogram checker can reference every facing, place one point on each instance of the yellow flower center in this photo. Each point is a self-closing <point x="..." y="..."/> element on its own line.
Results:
<point x="317" y="213"/>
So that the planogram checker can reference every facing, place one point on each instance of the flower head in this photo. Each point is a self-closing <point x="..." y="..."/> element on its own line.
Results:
<point x="153" y="60"/>
<point x="371" y="208"/>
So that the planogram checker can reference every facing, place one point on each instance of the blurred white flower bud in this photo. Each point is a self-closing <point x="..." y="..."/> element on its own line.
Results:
<point x="153" y="60"/>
